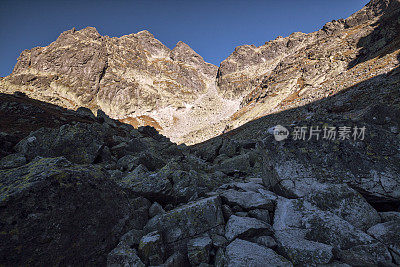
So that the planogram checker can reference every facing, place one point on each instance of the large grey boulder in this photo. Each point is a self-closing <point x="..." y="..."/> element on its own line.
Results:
<point x="291" y="172"/>
<point x="298" y="250"/>
<point x="185" y="222"/>
<point x="247" y="200"/>
<point x="151" y="248"/>
<point x="199" y="250"/>
<point x="58" y="213"/>
<point x="343" y="201"/>
<point x="79" y="143"/>
<point x="245" y="253"/>
<point x="306" y="234"/>
<point x="339" y="199"/>
<point x="245" y="227"/>
<point x="389" y="234"/>
<point x="141" y="182"/>
<point x="239" y="164"/>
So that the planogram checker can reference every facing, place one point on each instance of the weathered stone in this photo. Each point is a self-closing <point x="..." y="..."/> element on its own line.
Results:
<point x="85" y="112"/>
<point x="12" y="161"/>
<point x="151" y="248"/>
<point x="238" y="164"/>
<point x="306" y="234"/>
<point x="344" y="202"/>
<point x="131" y="238"/>
<point x="339" y="199"/>
<point x="143" y="183"/>
<point x="389" y="216"/>
<point x="266" y="241"/>
<point x="124" y="256"/>
<point x="366" y="255"/>
<point x="262" y="215"/>
<point x="389" y="234"/>
<point x="249" y="186"/>
<point x="176" y="260"/>
<point x="128" y="163"/>
<point x="79" y="143"/>
<point x="247" y="200"/>
<point x="155" y="209"/>
<point x="244" y="227"/>
<point x="187" y="221"/>
<point x="244" y="253"/>
<point x="301" y="251"/>
<point x="51" y="191"/>
<point x="199" y="250"/>
<point x="227" y="212"/>
<point x="218" y="240"/>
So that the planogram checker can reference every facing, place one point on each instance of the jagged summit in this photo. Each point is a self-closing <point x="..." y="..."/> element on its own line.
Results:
<point x="137" y="79"/>
<point x="84" y="189"/>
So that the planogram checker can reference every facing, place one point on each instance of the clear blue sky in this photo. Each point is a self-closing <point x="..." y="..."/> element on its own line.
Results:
<point x="211" y="28"/>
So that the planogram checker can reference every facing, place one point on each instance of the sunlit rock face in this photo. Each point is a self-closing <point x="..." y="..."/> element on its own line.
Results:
<point x="137" y="79"/>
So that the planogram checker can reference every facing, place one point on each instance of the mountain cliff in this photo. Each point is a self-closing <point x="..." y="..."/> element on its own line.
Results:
<point x="84" y="189"/>
<point x="138" y="80"/>
<point x="134" y="78"/>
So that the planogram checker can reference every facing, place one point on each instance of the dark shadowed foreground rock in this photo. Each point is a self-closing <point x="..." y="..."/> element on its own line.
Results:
<point x="56" y="213"/>
<point x="80" y="143"/>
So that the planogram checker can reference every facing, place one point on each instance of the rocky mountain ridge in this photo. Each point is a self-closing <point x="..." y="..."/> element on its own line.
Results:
<point x="78" y="188"/>
<point x="135" y="78"/>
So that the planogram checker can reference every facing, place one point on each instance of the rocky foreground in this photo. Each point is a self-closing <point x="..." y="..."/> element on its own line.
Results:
<point x="79" y="189"/>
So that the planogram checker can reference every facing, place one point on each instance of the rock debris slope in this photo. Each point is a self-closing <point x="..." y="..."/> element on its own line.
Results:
<point x="78" y="188"/>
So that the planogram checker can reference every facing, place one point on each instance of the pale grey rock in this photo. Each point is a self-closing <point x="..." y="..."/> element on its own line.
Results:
<point x="187" y="221"/>
<point x="389" y="234"/>
<point x="301" y="251"/>
<point x="339" y="199"/>
<point x="247" y="200"/>
<point x="307" y="234"/>
<point x="151" y="248"/>
<point x="199" y="250"/>
<point x="245" y="253"/>
<point x="245" y="227"/>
